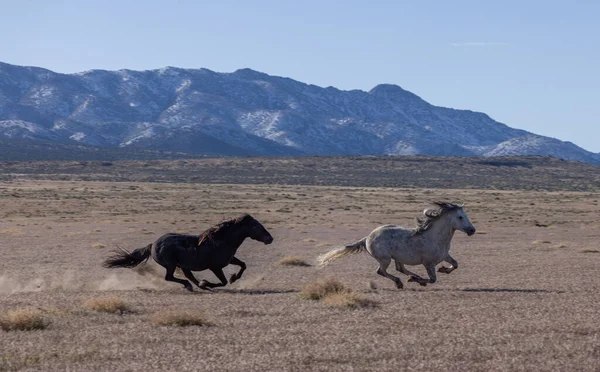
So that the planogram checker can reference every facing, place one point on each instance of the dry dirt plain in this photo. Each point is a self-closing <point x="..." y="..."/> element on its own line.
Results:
<point x="526" y="296"/>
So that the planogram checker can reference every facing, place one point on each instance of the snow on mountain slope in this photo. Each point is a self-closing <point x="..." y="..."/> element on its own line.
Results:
<point x="23" y="129"/>
<point x="532" y="144"/>
<point x="248" y="113"/>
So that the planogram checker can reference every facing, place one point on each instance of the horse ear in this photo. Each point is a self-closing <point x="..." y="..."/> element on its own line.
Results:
<point x="442" y="204"/>
<point x="245" y="219"/>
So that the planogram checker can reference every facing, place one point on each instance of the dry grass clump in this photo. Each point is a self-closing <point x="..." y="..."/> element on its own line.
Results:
<point x="185" y="318"/>
<point x="293" y="261"/>
<point x="589" y="250"/>
<point x="321" y="288"/>
<point x="98" y="245"/>
<point x="334" y="293"/>
<point x="348" y="299"/>
<point x="23" y="320"/>
<point x="108" y="305"/>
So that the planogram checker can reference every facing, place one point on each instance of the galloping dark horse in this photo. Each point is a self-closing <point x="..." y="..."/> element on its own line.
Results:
<point x="213" y="249"/>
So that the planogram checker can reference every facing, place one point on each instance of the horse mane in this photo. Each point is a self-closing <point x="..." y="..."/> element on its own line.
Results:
<point x="218" y="231"/>
<point x="432" y="215"/>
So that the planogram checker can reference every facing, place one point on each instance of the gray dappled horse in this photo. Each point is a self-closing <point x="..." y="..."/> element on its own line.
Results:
<point x="428" y="244"/>
<point x="213" y="250"/>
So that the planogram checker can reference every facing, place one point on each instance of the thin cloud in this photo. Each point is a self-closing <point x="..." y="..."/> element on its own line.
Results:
<point x="477" y="44"/>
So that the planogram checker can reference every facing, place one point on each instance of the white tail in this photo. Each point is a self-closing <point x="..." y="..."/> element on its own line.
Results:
<point x="336" y="253"/>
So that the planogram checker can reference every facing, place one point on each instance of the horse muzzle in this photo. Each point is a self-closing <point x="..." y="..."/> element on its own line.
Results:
<point x="470" y="232"/>
<point x="268" y="240"/>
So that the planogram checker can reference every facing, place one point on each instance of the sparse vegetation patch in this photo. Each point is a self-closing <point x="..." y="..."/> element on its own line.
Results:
<point x="321" y="288"/>
<point x="185" y="318"/>
<point x="349" y="299"/>
<point x="333" y="293"/>
<point x="23" y="320"/>
<point x="108" y="305"/>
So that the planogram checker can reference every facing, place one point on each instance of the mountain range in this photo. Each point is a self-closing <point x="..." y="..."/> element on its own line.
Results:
<point x="247" y="113"/>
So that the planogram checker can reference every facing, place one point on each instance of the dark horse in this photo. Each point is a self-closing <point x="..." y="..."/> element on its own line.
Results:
<point x="213" y="249"/>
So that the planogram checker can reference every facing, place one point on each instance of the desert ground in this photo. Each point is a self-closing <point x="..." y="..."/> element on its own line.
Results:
<point x="525" y="297"/>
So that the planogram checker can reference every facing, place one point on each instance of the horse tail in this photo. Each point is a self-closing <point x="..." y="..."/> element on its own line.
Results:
<point x="123" y="258"/>
<point x="336" y="253"/>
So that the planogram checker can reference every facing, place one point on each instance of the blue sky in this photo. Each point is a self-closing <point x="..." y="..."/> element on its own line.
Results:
<point x="533" y="65"/>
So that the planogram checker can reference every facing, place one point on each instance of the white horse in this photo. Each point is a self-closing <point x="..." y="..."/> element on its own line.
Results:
<point x="428" y="244"/>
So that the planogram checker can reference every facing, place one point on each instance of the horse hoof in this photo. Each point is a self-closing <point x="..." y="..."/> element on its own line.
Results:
<point x="204" y="285"/>
<point x="233" y="278"/>
<point x="423" y="284"/>
<point x="189" y="288"/>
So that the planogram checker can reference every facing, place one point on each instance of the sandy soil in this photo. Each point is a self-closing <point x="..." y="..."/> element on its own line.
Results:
<point x="525" y="297"/>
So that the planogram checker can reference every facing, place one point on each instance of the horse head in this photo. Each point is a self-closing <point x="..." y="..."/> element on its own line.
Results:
<point x="460" y="220"/>
<point x="256" y="230"/>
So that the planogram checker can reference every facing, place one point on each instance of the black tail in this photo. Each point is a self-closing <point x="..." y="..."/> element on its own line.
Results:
<point x="123" y="258"/>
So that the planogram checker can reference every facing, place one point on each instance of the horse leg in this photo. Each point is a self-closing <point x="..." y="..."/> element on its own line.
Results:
<point x="413" y="277"/>
<point x="238" y="275"/>
<point x="431" y="272"/>
<point x="188" y="274"/>
<point x="453" y="265"/>
<point x="422" y="281"/>
<point x="401" y="268"/>
<point x="382" y="270"/>
<point x="205" y="284"/>
<point x="170" y="278"/>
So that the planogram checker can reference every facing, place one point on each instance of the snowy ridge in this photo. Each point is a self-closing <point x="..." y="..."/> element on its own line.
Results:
<point x="250" y="113"/>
